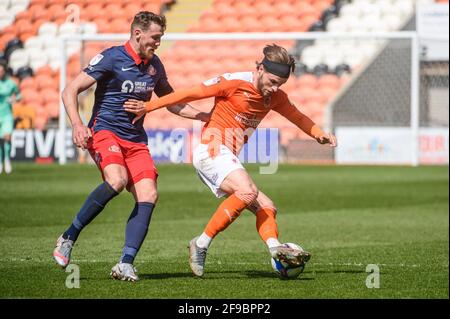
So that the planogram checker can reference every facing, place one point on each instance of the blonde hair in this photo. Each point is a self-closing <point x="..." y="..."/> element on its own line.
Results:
<point x="275" y="53"/>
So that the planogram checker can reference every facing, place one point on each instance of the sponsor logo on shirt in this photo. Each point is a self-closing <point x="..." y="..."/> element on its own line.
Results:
<point x="136" y="87"/>
<point x="151" y="70"/>
<point x="242" y="118"/>
<point x="127" y="86"/>
<point x="126" y="69"/>
<point x="212" y="81"/>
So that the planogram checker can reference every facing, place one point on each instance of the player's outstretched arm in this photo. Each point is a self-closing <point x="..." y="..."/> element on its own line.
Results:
<point x="303" y="122"/>
<point x="178" y="97"/>
<point x="190" y="112"/>
<point x="312" y="129"/>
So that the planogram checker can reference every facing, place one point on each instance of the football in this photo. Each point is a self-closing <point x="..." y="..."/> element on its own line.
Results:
<point x="283" y="270"/>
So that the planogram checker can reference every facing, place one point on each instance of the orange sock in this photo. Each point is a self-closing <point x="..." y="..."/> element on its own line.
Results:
<point x="226" y="213"/>
<point x="266" y="223"/>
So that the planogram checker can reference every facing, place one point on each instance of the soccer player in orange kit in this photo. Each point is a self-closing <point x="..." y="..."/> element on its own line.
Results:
<point x="242" y="100"/>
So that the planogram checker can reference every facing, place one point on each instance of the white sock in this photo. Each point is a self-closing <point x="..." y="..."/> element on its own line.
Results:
<point x="272" y="242"/>
<point x="204" y="241"/>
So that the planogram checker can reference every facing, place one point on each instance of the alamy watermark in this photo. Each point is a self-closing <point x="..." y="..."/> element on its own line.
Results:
<point x="73" y="279"/>
<point x="373" y="279"/>
<point x="253" y="146"/>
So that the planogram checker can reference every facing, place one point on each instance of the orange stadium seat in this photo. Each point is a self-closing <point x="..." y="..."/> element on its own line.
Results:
<point x="326" y="94"/>
<point x="5" y="37"/>
<point x="36" y="7"/>
<point x="49" y="95"/>
<point x="230" y="24"/>
<point x="31" y="96"/>
<point x="263" y="9"/>
<point x="28" y="83"/>
<point x="40" y="13"/>
<point x="130" y="9"/>
<point x="45" y="81"/>
<point x="269" y="24"/>
<point x="291" y="23"/>
<point x="40" y="2"/>
<point x="24" y="15"/>
<point x="52" y="109"/>
<point x="221" y="10"/>
<point x="118" y="25"/>
<point x="282" y="8"/>
<point x="102" y="25"/>
<point x="152" y="7"/>
<point x="329" y="80"/>
<point x="303" y="9"/>
<point x="307" y="80"/>
<point x="322" y="5"/>
<point x="45" y="70"/>
<point x="249" y="23"/>
<point x="92" y="11"/>
<point x="115" y="10"/>
<point x="38" y="22"/>
<point x="309" y="94"/>
<point x="55" y="9"/>
<point x="26" y="35"/>
<point x="243" y="9"/>
<point x="309" y="20"/>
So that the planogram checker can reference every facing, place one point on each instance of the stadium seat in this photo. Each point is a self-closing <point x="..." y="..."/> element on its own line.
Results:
<point x="30" y="96"/>
<point x="36" y="58"/>
<point x="307" y="80"/>
<point x="17" y="59"/>
<point x="52" y="109"/>
<point x="34" y="42"/>
<point x="45" y="81"/>
<point x="48" y="30"/>
<point x="130" y="9"/>
<point x="88" y="28"/>
<point x="50" y="95"/>
<point x="27" y="83"/>
<point x="68" y="28"/>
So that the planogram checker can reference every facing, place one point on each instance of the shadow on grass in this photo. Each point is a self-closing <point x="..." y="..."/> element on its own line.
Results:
<point x="340" y="271"/>
<point x="214" y="275"/>
<point x="166" y="275"/>
<point x="265" y="274"/>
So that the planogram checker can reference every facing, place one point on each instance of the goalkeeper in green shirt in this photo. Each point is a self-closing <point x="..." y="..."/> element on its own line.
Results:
<point x="9" y="94"/>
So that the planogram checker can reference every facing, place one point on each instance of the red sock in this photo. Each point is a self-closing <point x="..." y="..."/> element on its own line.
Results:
<point x="266" y="223"/>
<point x="226" y="213"/>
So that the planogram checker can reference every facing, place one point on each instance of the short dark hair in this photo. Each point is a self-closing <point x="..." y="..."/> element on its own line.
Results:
<point x="4" y="64"/>
<point x="144" y="19"/>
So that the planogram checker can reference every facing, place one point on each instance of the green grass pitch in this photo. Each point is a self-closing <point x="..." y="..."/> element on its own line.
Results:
<point x="348" y="217"/>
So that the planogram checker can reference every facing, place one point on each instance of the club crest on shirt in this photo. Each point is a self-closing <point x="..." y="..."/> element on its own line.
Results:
<point x="151" y="70"/>
<point x="114" y="149"/>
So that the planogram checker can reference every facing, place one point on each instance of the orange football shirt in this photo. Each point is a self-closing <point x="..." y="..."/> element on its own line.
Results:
<point x="239" y="107"/>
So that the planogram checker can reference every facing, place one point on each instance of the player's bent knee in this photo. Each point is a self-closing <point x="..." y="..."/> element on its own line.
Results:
<point x="271" y="210"/>
<point x="248" y="196"/>
<point x="150" y="197"/>
<point x="118" y="183"/>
